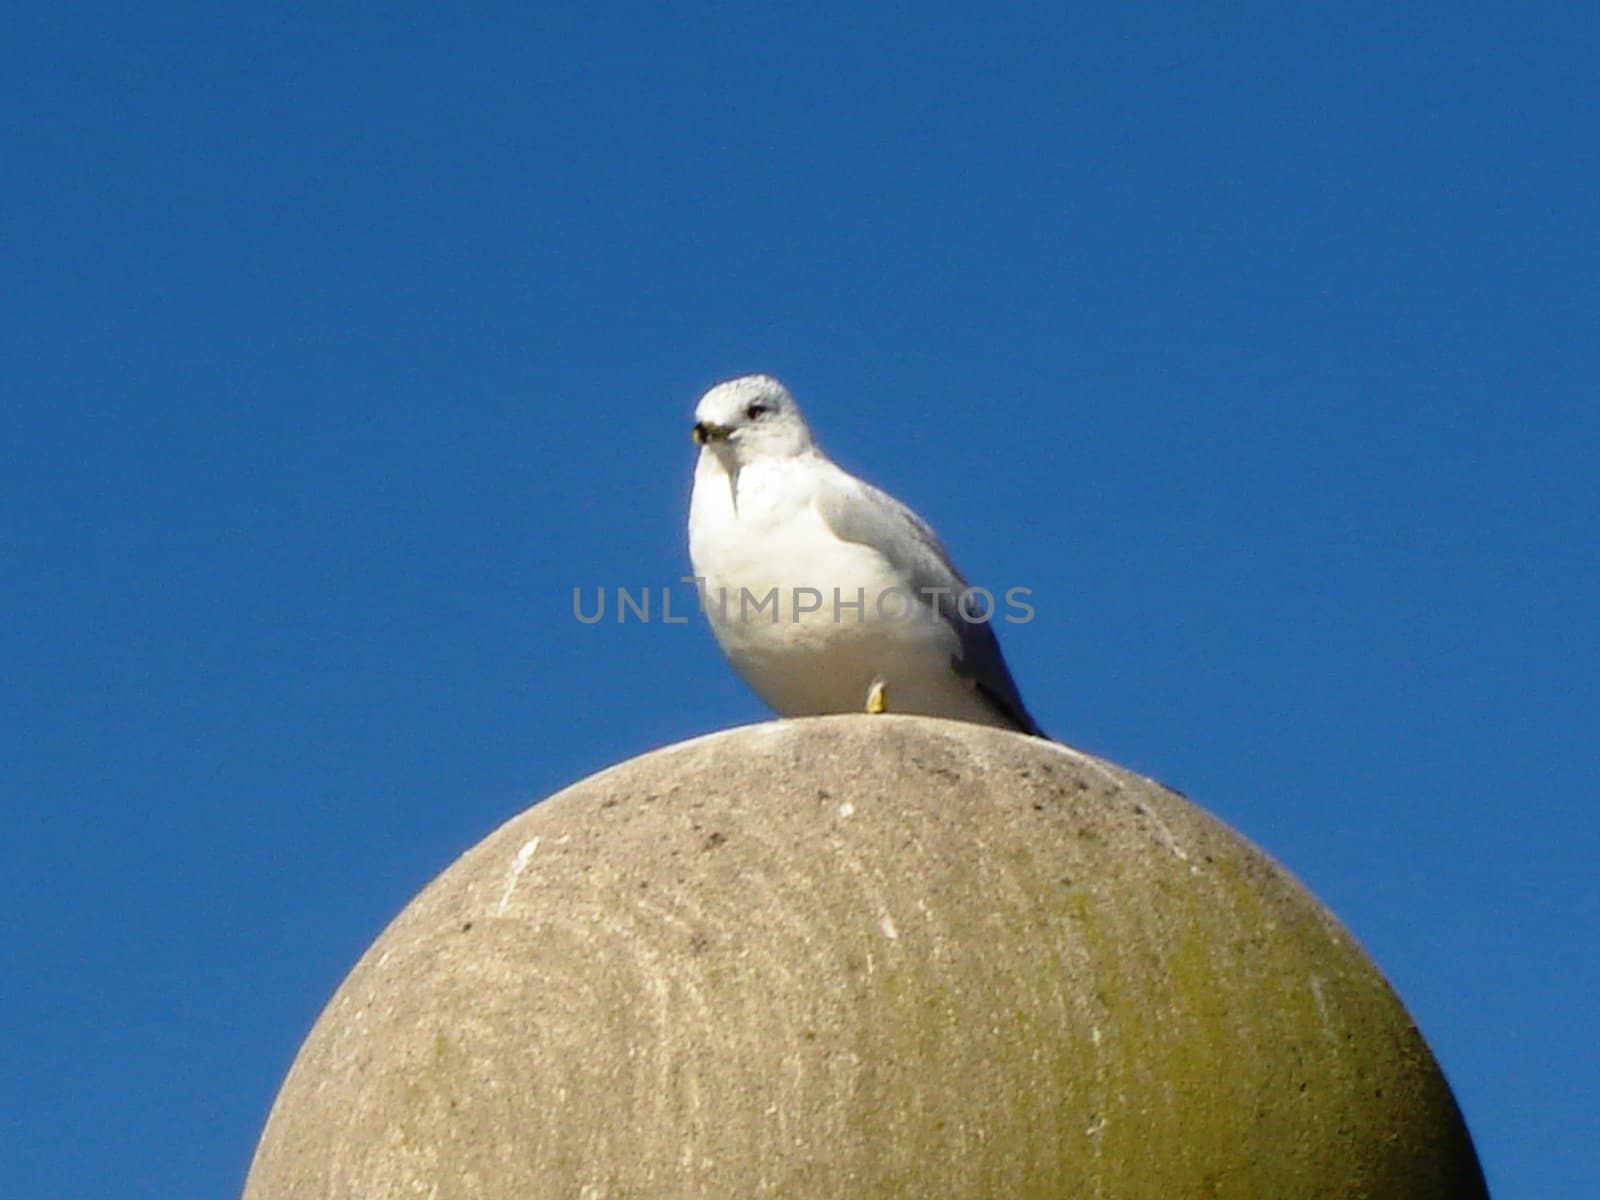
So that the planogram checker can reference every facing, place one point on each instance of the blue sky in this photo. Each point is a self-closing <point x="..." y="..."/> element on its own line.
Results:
<point x="1261" y="343"/>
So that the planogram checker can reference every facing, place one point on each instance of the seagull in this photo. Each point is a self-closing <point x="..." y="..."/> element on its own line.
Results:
<point x="826" y="594"/>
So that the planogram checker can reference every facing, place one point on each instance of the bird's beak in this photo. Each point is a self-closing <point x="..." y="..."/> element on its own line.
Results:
<point x="705" y="433"/>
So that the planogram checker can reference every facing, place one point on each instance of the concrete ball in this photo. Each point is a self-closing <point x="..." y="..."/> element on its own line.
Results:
<point x="864" y="957"/>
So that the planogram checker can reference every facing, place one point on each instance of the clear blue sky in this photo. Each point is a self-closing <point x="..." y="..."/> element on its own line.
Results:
<point x="1262" y="343"/>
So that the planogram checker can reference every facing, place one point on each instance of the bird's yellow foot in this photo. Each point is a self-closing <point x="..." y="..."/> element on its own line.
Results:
<point x="878" y="697"/>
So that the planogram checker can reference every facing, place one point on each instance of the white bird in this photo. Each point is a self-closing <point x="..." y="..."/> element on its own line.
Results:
<point x="826" y="594"/>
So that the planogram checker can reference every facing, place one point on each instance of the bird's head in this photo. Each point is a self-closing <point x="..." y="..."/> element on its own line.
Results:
<point x="751" y="417"/>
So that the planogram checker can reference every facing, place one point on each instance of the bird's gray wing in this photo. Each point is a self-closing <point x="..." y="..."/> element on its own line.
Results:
<point x="856" y="511"/>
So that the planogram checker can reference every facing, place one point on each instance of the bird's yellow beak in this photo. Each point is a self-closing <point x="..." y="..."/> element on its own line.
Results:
<point x="704" y="432"/>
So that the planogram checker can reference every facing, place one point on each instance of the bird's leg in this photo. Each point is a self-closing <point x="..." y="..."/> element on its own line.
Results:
<point x="878" y="696"/>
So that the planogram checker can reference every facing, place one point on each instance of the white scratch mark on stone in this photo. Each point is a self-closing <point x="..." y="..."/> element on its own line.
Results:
<point x="887" y="925"/>
<point x="1167" y="840"/>
<point x="1322" y="1008"/>
<point x="518" y="866"/>
<point x="847" y="809"/>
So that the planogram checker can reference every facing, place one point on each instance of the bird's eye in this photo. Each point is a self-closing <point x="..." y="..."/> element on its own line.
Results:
<point x="756" y="410"/>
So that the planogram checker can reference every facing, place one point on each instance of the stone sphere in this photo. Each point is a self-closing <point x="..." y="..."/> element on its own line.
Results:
<point x="864" y="957"/>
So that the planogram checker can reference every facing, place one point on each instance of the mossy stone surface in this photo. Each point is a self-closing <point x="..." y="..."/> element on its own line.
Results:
<point x="864" y="957"/>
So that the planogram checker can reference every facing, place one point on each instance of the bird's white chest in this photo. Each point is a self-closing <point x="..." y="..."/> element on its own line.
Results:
<point x="767" y="534"/>
<point x="799" y="612"/>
